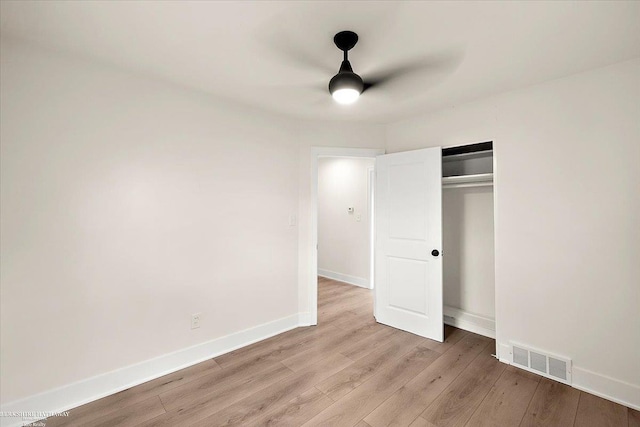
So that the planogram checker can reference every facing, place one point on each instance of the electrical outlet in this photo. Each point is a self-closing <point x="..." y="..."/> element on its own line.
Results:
<point x="358" y="217"/>
<point x="195" y="321"/>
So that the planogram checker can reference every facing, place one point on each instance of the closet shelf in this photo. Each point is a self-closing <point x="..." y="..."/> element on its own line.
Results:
<point x="460" y="181"/>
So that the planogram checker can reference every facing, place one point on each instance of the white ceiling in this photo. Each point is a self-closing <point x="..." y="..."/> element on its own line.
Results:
<point x="241" y="50"/>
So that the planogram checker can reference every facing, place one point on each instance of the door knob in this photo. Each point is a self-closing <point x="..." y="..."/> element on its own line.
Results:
<point x="435" y="252"/>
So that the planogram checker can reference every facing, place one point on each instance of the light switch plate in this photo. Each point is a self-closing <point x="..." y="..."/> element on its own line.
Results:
<point x="195" y="320"/>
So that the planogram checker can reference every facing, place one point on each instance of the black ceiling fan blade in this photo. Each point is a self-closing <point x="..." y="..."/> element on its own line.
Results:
<point x="302" y="58"/>
<point x="431" y="65"/>
<point x="368" y="85"/>
<point x="293" y="51"/>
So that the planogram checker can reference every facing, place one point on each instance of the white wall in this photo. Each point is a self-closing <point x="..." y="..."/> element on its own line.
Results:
<point x="468" y="260"/>
<point x="127" y="205"/>
<point x="567" y="215"/>
<point x="343" y="241"/>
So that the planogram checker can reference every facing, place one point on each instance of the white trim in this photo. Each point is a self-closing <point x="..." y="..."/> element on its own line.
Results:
<point x="606" y="387"/>
<point x="304" y="319"/>
<point x="94" y="388"/>
<point x="504" y="353"/>
<point x="495" y="240"/>
<point x="371" y="178"/>
<point x="475" y="323"/>
<point x="352" y="280"/>
<point x="312" y="250"/>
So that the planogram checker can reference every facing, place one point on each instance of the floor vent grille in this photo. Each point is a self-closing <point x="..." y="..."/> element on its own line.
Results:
<point x="550" y="366"/>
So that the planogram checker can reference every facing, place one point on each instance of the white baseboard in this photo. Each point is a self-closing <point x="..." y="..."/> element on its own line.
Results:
<point x="94" y="388"/>
<point x="606" y="387"/>
<point x="352" y="280"/>
<point x="590" y="382"/>
<point x="477" y="324"/>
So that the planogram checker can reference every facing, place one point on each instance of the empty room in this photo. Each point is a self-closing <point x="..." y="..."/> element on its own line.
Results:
<point x="319" y="213"/>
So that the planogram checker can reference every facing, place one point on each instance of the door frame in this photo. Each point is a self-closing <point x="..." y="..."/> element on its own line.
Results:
<point x="316" y="154"/>
<point x="371" y="177"/>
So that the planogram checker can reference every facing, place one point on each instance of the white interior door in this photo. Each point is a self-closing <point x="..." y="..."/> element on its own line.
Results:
<point x="408" y="260"/>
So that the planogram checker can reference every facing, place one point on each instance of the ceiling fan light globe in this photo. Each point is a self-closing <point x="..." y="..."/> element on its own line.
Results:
<point x="346" y="87"/>
<point x="346" y="96"/>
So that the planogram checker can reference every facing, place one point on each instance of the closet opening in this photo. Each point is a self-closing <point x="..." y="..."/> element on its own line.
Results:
<point x="468" y="238"/>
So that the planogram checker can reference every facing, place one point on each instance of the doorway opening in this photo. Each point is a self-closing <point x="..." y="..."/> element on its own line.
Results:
<point x="348" y="245"/>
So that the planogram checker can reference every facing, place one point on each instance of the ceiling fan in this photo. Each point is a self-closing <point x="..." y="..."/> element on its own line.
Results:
<point x="347" y="86"/>
<point x="407" y="78"/>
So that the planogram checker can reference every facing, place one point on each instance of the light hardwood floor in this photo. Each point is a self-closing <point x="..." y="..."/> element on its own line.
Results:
<point x="351" y="371"/>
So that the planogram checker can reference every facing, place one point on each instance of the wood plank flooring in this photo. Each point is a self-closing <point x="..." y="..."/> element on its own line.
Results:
<point x="351" y="371"/>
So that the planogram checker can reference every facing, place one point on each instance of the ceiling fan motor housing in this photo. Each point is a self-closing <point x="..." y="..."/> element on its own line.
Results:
<point x="345" y="40"/>
<point x="346" y="80"/>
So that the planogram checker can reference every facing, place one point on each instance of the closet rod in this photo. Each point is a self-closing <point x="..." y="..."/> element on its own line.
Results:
<point x="461" y="181"/>
<point x="470" y="184"/>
